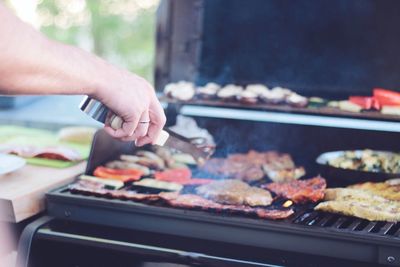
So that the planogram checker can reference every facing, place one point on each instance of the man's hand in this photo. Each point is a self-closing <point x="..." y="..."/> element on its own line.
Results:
<point x="134" y="100"/>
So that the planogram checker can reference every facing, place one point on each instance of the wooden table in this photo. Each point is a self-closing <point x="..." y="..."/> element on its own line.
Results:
<point x="22" y="192"/>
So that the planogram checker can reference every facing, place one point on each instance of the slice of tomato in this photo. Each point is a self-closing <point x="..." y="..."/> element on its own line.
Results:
<point x="180" y="175"/>
<point x="387" y="97"/>
<point x="116" y="174"/>
<point x="366" y="102"/>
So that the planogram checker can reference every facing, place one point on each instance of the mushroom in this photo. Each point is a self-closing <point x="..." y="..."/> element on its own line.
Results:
<point x="229" y="92"/>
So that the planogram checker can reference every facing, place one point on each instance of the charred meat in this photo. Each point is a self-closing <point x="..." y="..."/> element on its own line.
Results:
<point x="235" y="192"/>
<point x="300" y="191"/>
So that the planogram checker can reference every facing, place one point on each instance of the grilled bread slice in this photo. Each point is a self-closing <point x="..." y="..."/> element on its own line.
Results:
<point x="361" y="204"/>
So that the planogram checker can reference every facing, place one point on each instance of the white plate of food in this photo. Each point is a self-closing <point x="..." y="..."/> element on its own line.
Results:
<point x="10" y="163"/>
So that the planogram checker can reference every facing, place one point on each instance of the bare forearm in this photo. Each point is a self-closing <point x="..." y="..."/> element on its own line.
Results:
<point x="32" y="64"/>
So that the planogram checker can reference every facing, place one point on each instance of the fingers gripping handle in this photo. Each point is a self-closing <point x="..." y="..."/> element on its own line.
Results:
<point x="116" y="123"/>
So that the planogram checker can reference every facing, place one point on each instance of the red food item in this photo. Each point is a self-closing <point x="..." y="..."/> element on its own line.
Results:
<point x="363" y="101"/>
<point x="50" y="152"/>
<point x="300" y="191"/>
<point x="180" y="176"/>
<point x="117" y="174"/>
<point x="386" y="97"/>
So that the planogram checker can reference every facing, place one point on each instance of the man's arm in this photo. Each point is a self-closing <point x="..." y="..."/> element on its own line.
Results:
<point x="32" y="64"/>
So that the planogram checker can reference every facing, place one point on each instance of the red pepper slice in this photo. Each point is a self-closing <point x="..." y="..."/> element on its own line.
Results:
<point x="180" y="175"/>
<point x="116" y="174"/>
<point x="386" y="97"/>
<point x="366" y="102"/>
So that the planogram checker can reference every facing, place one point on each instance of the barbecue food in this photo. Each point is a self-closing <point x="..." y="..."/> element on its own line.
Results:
<point x="258" y="89"/>
<point x="51" y="152"/>
<point x="389" y="189"/>
<point x="235" y="192"/>
<point x="229" y="92"/>
<point x="117" y="174"/>
<point x="254" y="165"/>
<point x="174" y="199"/>
<point x="193" y="201"/>
<point x="98" y="189"/>
<point x="300" y="191"/>
<point x="368" y="160"/>
<point x="297" y="100"/>
<point x="108" y="183"/>
<point x="183" y="91"/>
<point x="159" y="184"/>
<point x="247" y="97"/>
<point x="208" y="91"/>
<point x="361" y="204"/>
<point x="125" y="165"/>
<point x="153" y="163"/>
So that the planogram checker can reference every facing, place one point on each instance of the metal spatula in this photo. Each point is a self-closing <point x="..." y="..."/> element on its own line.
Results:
<point x="168" y="138"/>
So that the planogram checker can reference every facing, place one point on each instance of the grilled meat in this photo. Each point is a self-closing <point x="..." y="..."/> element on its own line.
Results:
<point x="126" y="165"/>
<point x="389" y="189"/>
<point x="361" y="204"/>
<point x="235" y="192"/>
<point x="175" y="199"/>
<point x="254" y="165"/>
<point x="98" y="189"/>
<point x="300" y="191"/>
<point x="194" y="201"/>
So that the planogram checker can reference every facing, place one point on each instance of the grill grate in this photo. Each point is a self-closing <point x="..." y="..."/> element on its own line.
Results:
<point x="346" y="223"/>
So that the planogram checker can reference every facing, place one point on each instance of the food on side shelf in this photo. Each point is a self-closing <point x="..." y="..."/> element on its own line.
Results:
<point x="254" y="165"/>
<point x="386" y="97"/>
<point x="274" y="96"/>
<point x="192" y="201"/>
<point x="299" y="191"/>
<point x="117" y="174"/>
<point x="391" y="110"/>
<point x="170" y="186"/>
<point x="229" y="92"/>
<point x="389" y="189"/>
<point x="83" y="135"/>
<point x="316" y="102"/>
<point x="349" y="106"/>
<point x="125" y="165"/>
<point x="235" y="192"/>
<point x="183" y="91"/>
<point x="368" y="160"/>
<point x="208" y="91"/>
<point x="50" y="152"/>
<point x="247" y="97"/>
<point x="258" y="89"/>
<point x="361" y="204"/>
<point x="296" y="100"/>
<point x="108" y="184"/>
<point x="365" y="102"/>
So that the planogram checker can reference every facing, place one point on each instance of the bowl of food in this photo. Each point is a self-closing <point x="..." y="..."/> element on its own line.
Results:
<point x="342" y="168"/>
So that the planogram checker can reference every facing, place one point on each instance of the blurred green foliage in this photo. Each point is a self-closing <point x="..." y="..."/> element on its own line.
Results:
<point x="121" y="31"/>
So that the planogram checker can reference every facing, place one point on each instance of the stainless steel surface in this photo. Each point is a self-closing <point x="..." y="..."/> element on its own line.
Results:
<point x="94" y="109"/>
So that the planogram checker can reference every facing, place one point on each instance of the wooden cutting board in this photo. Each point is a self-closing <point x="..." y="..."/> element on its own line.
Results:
<point x="22" y="192"/>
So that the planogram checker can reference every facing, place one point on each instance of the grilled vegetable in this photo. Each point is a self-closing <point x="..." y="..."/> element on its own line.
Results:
<point x="159" y="184"/>
<point x="183" y="91"/>
<point x="125" y="165"/>
<point x="184" y="158"/>
<point x="349" y="106"/>
<point x="109" y="184"/>
<point x="229" y="92"/>
<point x="297" y="100"/>
<point x="387" y="97"/>
<point x="247" y="97"/>
<point x="121" y="175"/>
<point x="391" y="110"/>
